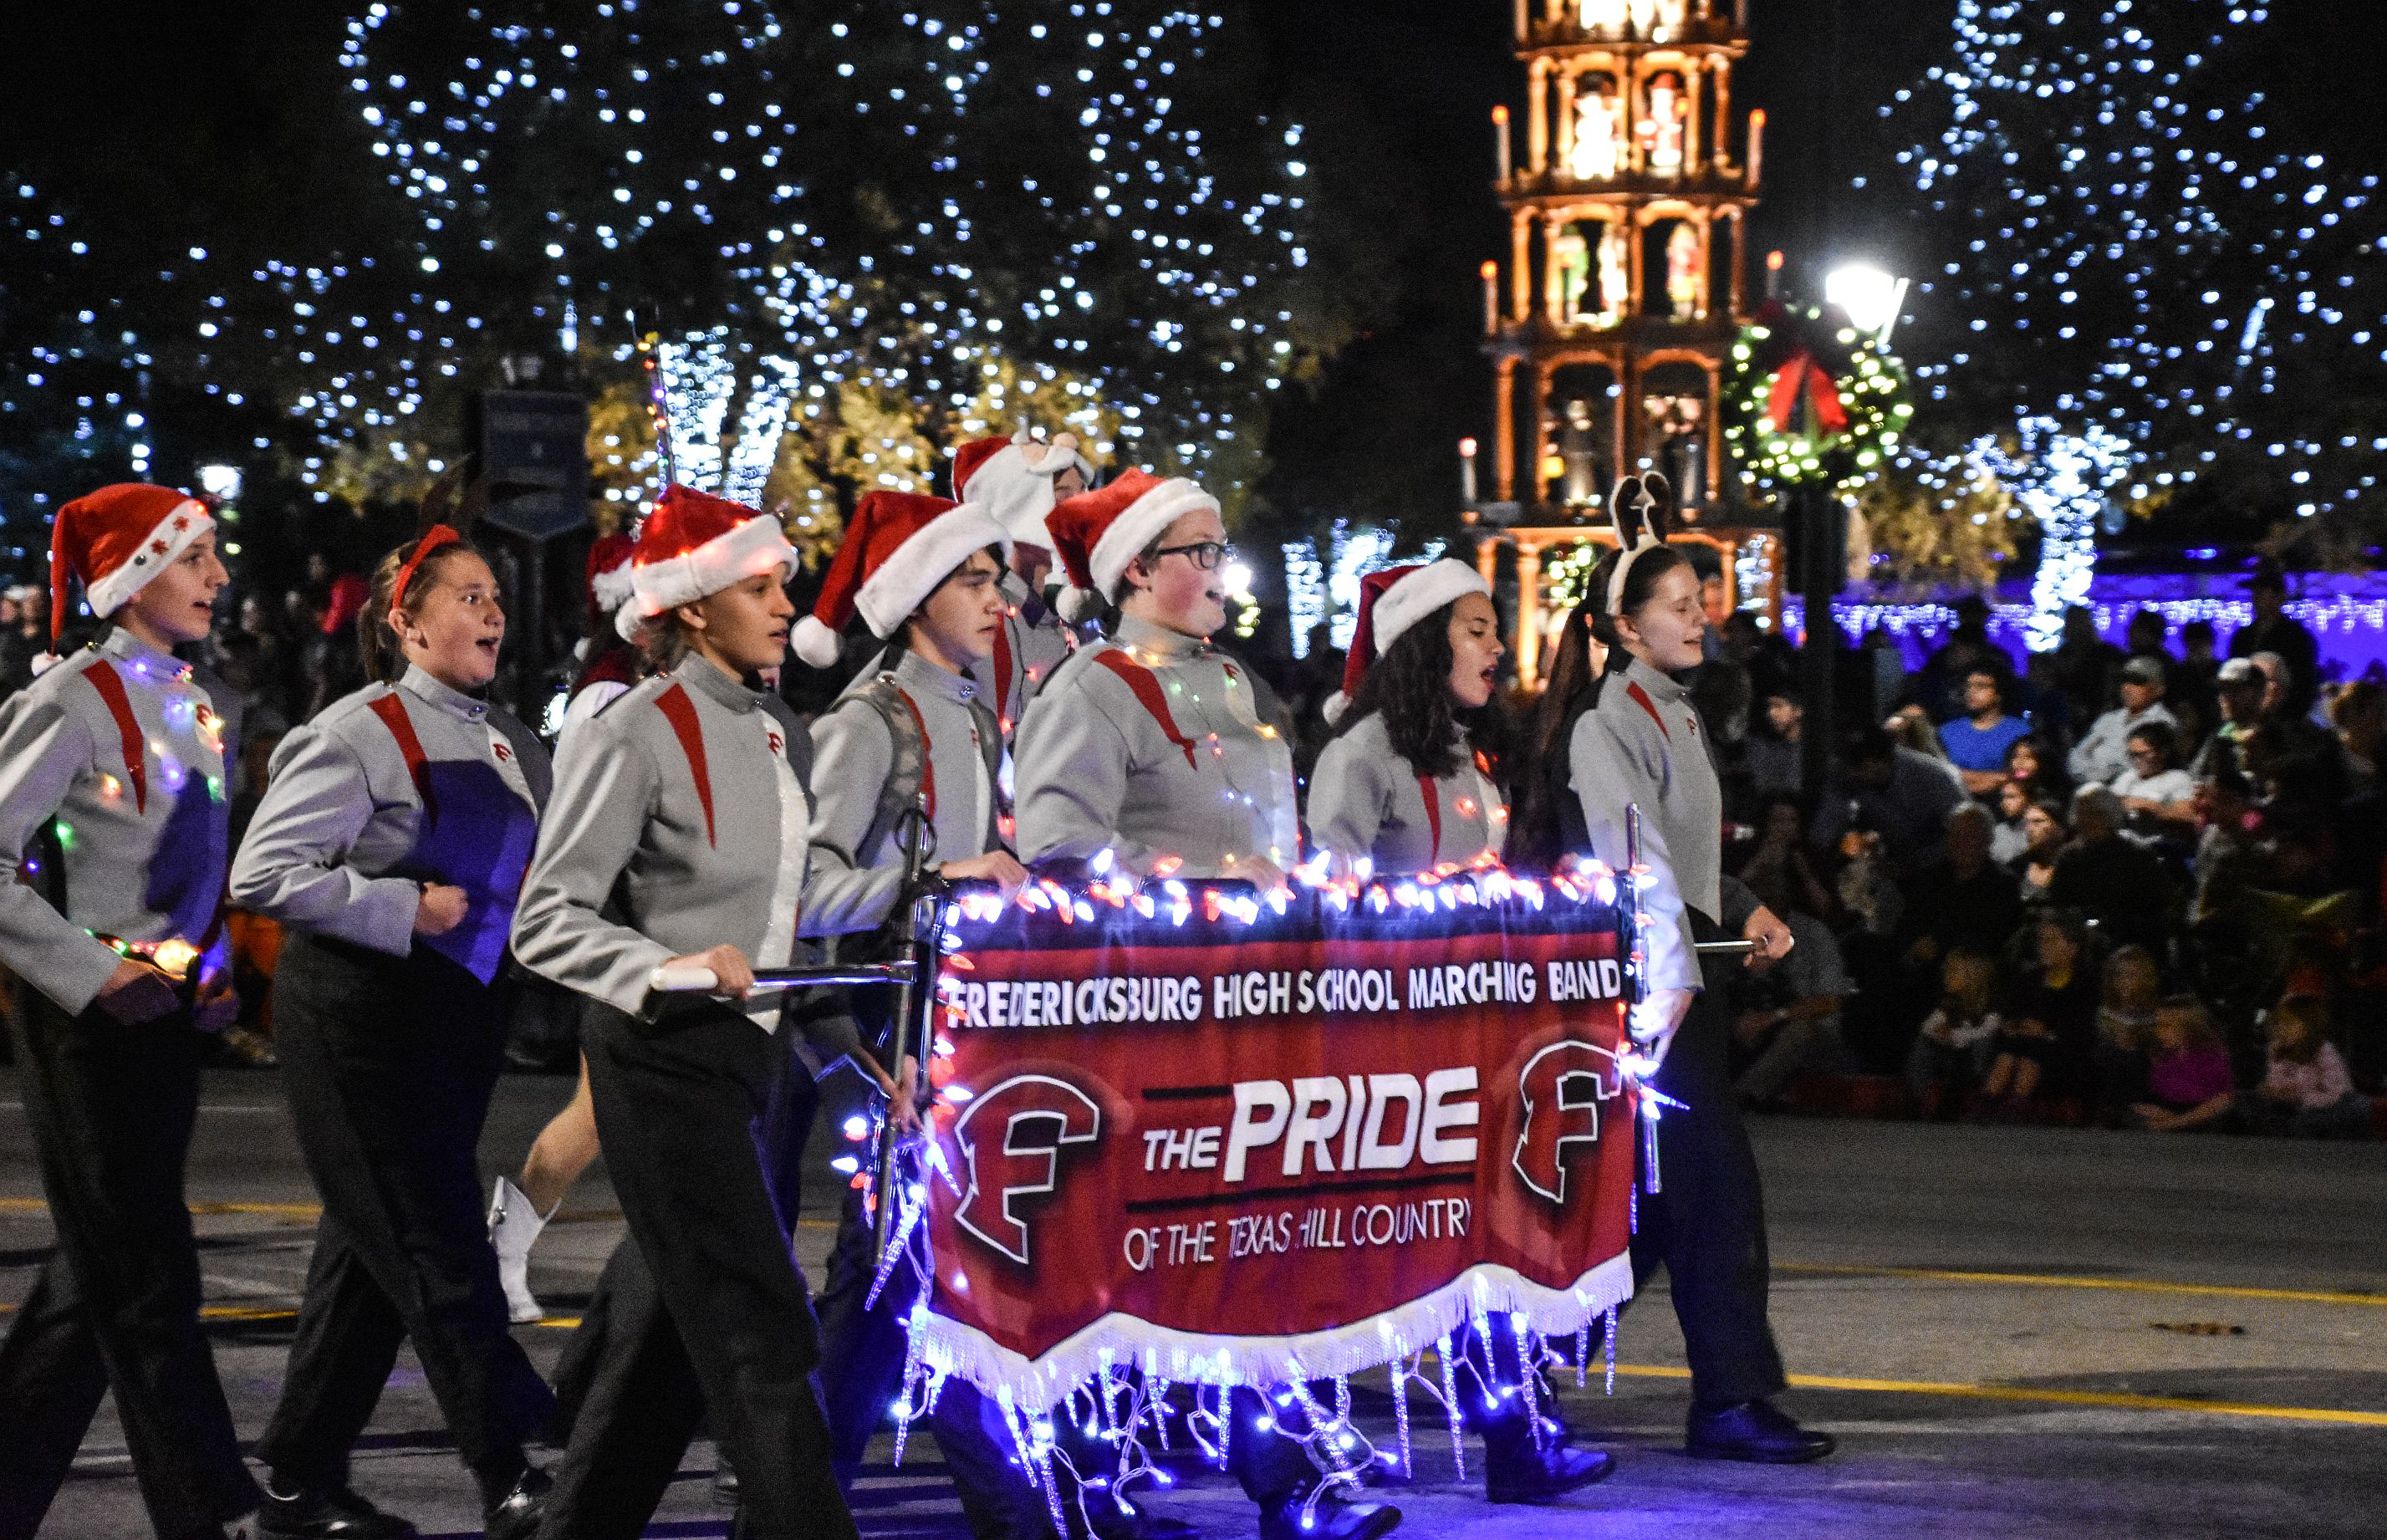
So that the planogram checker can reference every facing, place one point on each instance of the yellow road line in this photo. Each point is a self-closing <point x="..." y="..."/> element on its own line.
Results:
<point x="2028" y="1395"/>
<point x="2051" y="1281"/>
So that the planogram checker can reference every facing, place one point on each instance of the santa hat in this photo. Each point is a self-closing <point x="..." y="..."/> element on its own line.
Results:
<point x="1390" y="602"/>
<point x="117" y="539"/>
<point x="898" y="546"/>
<point x="695" y="545"/>
<point x="1097" y="534"/>
<point x="609" y="575"/>
<point x="1012" y="478"/>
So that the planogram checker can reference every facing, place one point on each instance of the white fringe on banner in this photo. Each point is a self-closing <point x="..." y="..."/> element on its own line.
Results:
<point x="949" y="1347"/>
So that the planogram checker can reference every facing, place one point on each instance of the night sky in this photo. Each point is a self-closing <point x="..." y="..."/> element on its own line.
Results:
<point x="173" y="124"/>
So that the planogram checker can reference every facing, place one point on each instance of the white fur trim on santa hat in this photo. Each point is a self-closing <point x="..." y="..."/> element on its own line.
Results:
<point x="1138" y="525"/>
<point x="889" y="595"/>
<point x="1420" y="594"/>
<point x="752" y="546"/>
<point x="613" y="587"/>
<point x="1336" y="705"/>
<point x="111" y="592"/>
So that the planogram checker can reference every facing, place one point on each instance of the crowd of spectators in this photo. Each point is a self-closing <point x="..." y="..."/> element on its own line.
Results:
<point x="2135" y="887"/>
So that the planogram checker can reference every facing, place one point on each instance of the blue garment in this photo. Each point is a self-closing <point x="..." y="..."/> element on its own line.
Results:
<point x="1972" y="747"/>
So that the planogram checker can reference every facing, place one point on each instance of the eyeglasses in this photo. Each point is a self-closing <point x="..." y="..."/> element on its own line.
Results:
<point x="1205" y="554"/>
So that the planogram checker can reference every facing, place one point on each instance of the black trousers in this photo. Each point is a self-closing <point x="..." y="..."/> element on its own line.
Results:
<point x="863" y="1353"/>
<point x="1707" y="1224"/>
<point x="389" y="1063"/>
<point x="116" y="1308"/>
<point x="705" y="1311"/>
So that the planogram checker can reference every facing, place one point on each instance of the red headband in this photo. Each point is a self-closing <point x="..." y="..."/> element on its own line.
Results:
<point x="432" y="538"/>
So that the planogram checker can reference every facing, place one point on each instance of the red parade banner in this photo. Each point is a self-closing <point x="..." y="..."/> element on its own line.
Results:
<point x="1246" y="1154"/>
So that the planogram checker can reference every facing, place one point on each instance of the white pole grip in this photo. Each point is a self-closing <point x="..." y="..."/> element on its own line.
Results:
<point x="682" y="978"/>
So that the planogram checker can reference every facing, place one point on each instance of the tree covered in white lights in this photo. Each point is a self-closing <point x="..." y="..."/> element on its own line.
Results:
<point x="910" y="201"/>
<point x="2131" y="238"/>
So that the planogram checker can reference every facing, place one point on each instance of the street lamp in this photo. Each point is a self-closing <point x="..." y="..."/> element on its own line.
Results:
<point x="1868" y="297"/>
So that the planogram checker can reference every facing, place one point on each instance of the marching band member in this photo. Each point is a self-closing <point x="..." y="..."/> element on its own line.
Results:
<point x="1639" y="743"/>
<point x="391" y="841"/>
<point x="113" y="825"/>
<point x="1402" y="785"/>
<point x="1152" y="746"/>
<point x="1020" y="481"/>
<point x="913" y="726"/>
<point x="522" y="1204"/>
<point x="1402" y="788"/>
<point x="681" y="836"/>
<point x="1147" y="745"/>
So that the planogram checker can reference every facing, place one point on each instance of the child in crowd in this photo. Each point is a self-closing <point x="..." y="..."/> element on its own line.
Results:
<point x="2125" y="1020"/>
<point x="2048" y="1019"/>
<point x="2307" y="1091"/>
<point x="2044" y="835"/>
<point x="2188" y="1085"/>
<point x="1952" y="1050"/>
<point x="2011" y="839"/>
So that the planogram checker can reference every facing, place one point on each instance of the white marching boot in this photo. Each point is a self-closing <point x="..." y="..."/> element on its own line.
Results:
<point x="515" y="1224"/>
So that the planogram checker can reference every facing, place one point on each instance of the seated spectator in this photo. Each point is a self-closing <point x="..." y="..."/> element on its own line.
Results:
<point x="2158" y="797"/>
<point x="2191" y="682"/>
<point x="2125" y="1022"/>
<point x="1910" y="728"/>
<point x="2043" y="1049"/>
<point x="1786" y="1018"/>
<point x="1903" y="796"/>
<point x="2109" y="876"/>
<point x="1976" y="742"/>
<point x="2103" y="752"/>
<point x="1964" y="901"/>
<point x="2009" y="838"/>
<point x="2045" y="835"/>
<point x="2188" y="1071"/>
<point x="2306" y="1092"/>
<point x="2238" y="686"/>
<point x="1951" y="1052"/>
<point x="2305" y="763"/>
<point x="2359" y="714"/>
<point x="1778" y="863"/>
<point x="1772" y="756"/>
<point x="2030" y="762"/>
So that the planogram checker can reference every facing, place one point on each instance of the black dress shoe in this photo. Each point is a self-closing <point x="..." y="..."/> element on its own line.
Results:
<point x="1104" y="1519"/>
<point x="1333" y="1520"/>
<point x="516" y="1515"/>
<point x="335" y="1513"/>
<point x="1521" y="1473"/>
<point x="1756" y="1432"/>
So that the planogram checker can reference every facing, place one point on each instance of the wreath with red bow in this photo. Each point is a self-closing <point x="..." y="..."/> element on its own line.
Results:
<point x="1809" y="399"/>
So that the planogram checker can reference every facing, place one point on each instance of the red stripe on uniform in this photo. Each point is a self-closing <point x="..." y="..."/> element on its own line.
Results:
<point x="1432" y="812"/>
<point x="680" y="712"/>
<point x="1635" y="691"/>
<point x="1002" y="672"/>
<point x="104" y="678"/>
<point x="1146" y="685"/>
<point x="392" y="712"/>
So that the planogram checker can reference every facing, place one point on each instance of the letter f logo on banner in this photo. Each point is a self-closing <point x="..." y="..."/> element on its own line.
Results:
<point x="1559" y="1094"/>
<point x="1038" y="1115"/>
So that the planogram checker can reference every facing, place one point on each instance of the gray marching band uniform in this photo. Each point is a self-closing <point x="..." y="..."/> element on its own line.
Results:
<point x="894" y="733"/>
<point x="1032" y="643"/>
<point x="1643" y="744"/>
<point x="391" y="1044"/>
<point x="681" y="822"/>
<point x="1151" y="746"/>
<point x="123" y="750"/>
<point x="1367" y="801"/>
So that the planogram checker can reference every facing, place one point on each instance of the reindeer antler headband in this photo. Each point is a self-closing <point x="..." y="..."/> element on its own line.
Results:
<point x="1638" y="510"/>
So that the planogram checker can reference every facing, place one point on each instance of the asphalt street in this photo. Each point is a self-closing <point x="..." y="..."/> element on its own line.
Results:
<point x="2014" y="1331"/>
